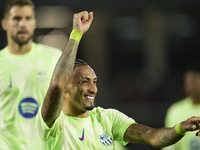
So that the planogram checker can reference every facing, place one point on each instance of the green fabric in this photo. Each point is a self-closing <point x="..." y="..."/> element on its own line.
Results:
<point x="177" y="113"/>
<point x="24" y="80"/>
<point x="101" y="129"/>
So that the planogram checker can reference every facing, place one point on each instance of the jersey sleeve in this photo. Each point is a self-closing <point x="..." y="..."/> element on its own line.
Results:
<point x="120" y="122"/>
<point x="47" y="134"/>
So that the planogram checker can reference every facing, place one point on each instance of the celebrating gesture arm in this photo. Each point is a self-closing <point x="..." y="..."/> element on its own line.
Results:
<point x="53" y="101"/>
<point x="160" y="137"/>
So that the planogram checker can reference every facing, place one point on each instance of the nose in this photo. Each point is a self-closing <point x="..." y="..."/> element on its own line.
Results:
<point x="22" y="22"/>
<point x="92" y="88"/>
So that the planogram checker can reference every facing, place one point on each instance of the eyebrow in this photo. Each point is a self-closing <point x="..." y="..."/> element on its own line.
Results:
<point x="88" y="78"/>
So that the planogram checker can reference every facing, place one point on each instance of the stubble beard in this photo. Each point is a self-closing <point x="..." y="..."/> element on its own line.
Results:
<point x="89" y="107"/>
<point x="22" y="42"/>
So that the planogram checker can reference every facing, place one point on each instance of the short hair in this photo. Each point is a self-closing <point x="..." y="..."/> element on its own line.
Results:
<point x="79" y="62"/>
<point x="20" y="3"/>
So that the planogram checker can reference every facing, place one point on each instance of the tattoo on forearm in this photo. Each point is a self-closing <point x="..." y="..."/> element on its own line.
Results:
<point x="145" y="130"/>
<point x="134" y="137"/>
<point x="137" y="134"/>
<point x="165" y="137"/>
<point x="53" y="102"/>
<point x="66" y="62"/>
<point x="157" y="137"/>
<point x="131" y="133"/>
<point x="51" y="106"/>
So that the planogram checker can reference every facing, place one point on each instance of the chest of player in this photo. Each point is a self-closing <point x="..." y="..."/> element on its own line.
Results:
<point x="87" y="133"/>
<point x="24" y="81"/>
<point x="25" y="72"/>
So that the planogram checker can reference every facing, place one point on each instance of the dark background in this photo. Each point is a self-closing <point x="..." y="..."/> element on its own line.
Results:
<point x="138" y="49"/>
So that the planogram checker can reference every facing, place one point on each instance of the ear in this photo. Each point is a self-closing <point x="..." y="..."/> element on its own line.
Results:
<point x="67" y="89"/>
<point x="4" y="24"/>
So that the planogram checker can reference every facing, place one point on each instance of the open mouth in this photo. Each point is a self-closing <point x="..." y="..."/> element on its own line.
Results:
<point x="89" y="98"/>
<point x="22" y="34"/>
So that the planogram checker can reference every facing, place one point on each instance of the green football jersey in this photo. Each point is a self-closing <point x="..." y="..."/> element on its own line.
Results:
<point x="96" y="132"/>
<point x="177" y="113"/>
<point x="24" y="80"/>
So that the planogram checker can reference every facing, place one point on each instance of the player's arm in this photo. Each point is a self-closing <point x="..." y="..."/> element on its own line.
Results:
<point x="159" y="137"/>
<point x="53" y="101"/>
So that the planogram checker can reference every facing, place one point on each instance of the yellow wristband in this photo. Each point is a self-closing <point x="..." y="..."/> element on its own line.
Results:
<point x="75" y="35"/>
<point x="179" y="130"/>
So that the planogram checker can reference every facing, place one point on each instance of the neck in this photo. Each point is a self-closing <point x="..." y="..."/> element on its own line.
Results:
<point x="74" y="111"/>
<point x="17" y="49"/>
<point x="78" y="114"/>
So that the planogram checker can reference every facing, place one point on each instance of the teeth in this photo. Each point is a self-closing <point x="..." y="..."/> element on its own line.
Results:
<point x="89" y="97"/>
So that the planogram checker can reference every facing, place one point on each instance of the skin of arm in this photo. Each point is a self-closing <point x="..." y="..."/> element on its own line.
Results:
<point x="159" y="137"/>
<point x="53" y="101"/>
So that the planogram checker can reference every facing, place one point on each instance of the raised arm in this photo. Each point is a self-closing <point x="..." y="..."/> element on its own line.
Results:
<point x="160" y="137"/>
<point x="53" y="101"/>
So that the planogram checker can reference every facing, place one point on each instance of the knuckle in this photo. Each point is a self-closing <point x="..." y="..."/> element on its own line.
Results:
<point x="86" y="12"/>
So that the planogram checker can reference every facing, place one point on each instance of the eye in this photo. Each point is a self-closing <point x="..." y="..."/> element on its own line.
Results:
<point x="95" y="82"/>
<point x="28" y="18"/>
<point x="17" y="18"/>
<point x="84" y="81"/>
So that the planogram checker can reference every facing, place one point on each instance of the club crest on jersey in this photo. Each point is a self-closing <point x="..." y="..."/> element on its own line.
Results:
<point x="106" y="139"/>
<point x="194" y="144"/>
<point x="28" y="107"/>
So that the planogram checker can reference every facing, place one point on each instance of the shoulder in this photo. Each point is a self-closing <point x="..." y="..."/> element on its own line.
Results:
<point x="108" y="112"/>
<point x="3" y="51"/>
<point x="179" y="106"/>
<point x="178" y="112"/>
<point x="181" y="103"/>
<point x="104" y="110"/>
<point x="47" y="53"/>
<point x="4" y="54"/>
<point x="45" y="48"/>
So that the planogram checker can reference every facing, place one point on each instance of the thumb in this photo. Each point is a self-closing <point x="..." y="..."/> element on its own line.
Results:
<point x="90" y="18"/>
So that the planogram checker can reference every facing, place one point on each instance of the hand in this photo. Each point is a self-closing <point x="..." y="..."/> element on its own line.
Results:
<point x="82" y="21"/>
<point x="191" y="124"/>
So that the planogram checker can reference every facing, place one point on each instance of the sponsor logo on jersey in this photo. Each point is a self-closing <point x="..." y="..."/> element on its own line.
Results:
<point x="82" y="138"/>
<point x="106" y="139"/>
<point x="195" y="144"/>
<point x="28" y="107"/>
<point x="41" y="76"/>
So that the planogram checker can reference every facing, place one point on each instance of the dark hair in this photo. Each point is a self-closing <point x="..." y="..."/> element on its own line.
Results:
<point x="21" y="3"/>
<point x="79" y="62"/>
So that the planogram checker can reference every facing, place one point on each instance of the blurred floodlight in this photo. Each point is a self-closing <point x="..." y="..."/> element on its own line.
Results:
<point x="53" y="16"/>
<point x="56" y="39"/>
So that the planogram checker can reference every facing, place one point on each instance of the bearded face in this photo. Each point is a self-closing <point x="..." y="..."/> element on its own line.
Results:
<point x="83" y="89"/>
<point x="20" y="24"/>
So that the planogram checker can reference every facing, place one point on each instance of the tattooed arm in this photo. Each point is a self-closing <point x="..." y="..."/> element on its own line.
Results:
<point x="53" y="101"/>
<point x="159" y="137"/>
